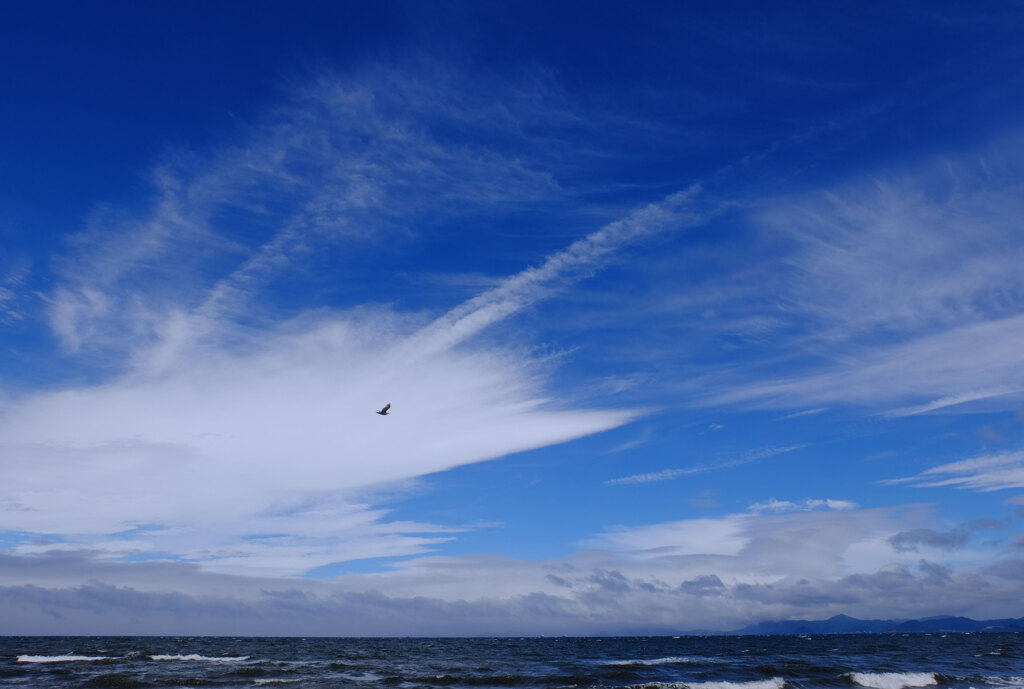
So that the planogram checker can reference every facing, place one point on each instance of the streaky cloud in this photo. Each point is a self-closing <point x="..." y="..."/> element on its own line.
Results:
<point x="984" y="473"/>
<point x="980" y="362"/>
<point x="799" y="414"/>
<point x="806" y="505"/>
<point x="956" y="400"/>
<point x="577" y="261"/>
<point x="668" y="474"/>
<point x="251" y="420"/>
<point x="901" y="292"/>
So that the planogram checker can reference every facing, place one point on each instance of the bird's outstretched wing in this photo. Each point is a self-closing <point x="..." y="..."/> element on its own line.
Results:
<point x="384" y="411"/>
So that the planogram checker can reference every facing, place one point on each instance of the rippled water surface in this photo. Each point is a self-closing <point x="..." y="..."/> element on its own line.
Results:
<point x="874" y="661"/>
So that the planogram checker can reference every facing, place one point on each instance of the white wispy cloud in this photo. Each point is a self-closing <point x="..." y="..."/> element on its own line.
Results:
<point x="270" y="438"/>
<point x="911" y="252"/>
<point x="650" y="476"/>
<point x="978" y="362"/>
<point x="12" y="280"/>
<point x="956" y="400"/>
<point x="580" y="260"/>
<point x="983" y="473"/>
<point x="642" y="439"/>
<point x="901" y="292"/>
<point x="344" y="162"/>
<point x="807" y="412"/>
<point x="668" y="474"/>
<point x="241" y="436"/>
<point x="805" y="505"/>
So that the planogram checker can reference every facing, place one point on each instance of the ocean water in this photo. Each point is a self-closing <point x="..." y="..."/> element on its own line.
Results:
<point x="854" y="661"/>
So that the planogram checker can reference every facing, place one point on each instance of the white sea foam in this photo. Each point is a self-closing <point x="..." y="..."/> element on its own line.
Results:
<point x="1006" y="682"/>
<point x="671" y="660"/>
<point x="277" y="681"/>
<point x="196" y="656"/>
<point x="773" y="683"/>
<point x="60" y="659"/>
<point x="893" y="680"/>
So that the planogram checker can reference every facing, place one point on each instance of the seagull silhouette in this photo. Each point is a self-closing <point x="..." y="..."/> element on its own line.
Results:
<point x="384" y="411"/>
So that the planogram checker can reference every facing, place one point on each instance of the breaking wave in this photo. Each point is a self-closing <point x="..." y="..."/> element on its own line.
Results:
<point x="893" y="680"/>
<point x="670" y="660"/>
<point x="61" y="659"/>
<point x="773" y="683"/>
<point x="854" y="662"/>
<point x="196" y="657"/>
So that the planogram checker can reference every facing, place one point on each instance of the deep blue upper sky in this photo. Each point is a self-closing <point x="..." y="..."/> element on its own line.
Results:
<point x="709" y="309"/>
<point x="95" y="94"/>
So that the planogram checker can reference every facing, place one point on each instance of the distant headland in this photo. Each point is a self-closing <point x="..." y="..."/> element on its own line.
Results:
<point x="844" y="624"/>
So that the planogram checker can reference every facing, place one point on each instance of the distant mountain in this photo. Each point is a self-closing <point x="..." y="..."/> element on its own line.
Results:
<point x="844" y="624"/>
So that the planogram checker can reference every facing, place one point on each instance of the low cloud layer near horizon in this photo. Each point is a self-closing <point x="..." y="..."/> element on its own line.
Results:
<point x="708" y="574"/>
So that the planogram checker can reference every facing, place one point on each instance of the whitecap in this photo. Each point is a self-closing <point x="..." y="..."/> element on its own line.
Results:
<point x="893" y="680"/>
<point x="60" y="659"/>
<point x="196" y="656"/>
<point x="1006" y="682"/>
<point x="670" y="660"/>
<point x="773" y="683"/>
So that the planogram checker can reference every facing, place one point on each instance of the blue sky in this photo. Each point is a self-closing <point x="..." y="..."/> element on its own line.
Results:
<point x="690" y="316"/>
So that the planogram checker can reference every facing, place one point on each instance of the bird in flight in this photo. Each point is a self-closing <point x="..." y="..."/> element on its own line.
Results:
<point x="384" y="411"/>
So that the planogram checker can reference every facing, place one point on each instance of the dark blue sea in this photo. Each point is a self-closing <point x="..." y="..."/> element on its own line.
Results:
<point x="874" y="661"/>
